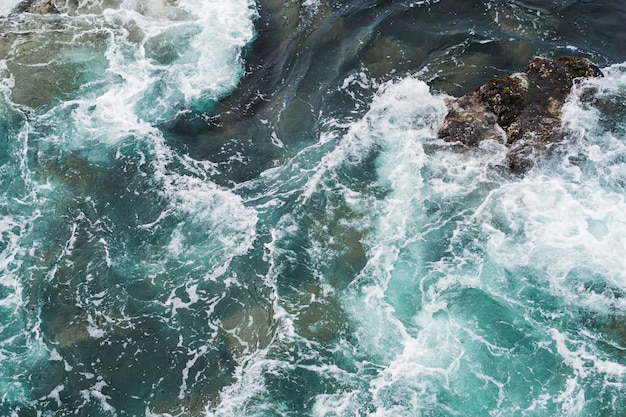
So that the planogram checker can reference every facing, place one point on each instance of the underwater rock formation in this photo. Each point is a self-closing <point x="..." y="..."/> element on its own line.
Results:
<point x="37" y="6"/>
<point x="522" y="111"/>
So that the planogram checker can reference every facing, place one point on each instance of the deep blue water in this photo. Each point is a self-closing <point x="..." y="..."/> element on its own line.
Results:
<point x="242" y="209"/>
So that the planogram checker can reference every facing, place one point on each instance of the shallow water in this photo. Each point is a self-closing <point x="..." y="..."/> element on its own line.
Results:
<point x="240" y="209"/>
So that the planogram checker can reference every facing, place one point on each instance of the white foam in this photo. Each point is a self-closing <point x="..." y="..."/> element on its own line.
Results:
<point x="121" y="107"/>
<point x="402" y="117"/>
<point x="555" y="218"/>
<point x="93" y="329"/>
<point x="229" y="226"/>
<point x="54" y="394"/>
<point x="8" y="6"/>
<point x="554" y="222"/>
<point x="336" y="405"/>
<point x="226" y="29"/>
<point x="568" y="223"/>
<point x="582" y="358"/>
<point x="95" y="393"/>
<point x="195" y="355"/>
<point x="21" y="345"/>
<point x="118" y="106"/>
<point x="135" y="92"/>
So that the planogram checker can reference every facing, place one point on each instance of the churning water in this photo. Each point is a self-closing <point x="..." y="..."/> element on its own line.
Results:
<point x="232" y="208"/>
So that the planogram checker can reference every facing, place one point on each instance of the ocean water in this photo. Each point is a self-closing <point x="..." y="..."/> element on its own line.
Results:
<point x="242" y="209"/>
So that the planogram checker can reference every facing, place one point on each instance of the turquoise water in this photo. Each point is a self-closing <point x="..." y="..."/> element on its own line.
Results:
<point x="243" y="209"/>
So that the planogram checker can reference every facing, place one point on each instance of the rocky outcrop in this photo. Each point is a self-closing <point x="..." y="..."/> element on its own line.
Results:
<point x="522" y="111"/>
<point x="38" y="7"/>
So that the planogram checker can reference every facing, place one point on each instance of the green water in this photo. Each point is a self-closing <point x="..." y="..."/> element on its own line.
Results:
<point x="243" y="209"/>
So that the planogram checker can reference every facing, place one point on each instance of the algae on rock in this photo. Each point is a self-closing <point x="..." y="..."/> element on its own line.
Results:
<point x="522" y="111"/>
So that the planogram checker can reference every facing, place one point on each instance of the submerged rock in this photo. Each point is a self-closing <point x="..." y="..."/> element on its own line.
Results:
<point x="522" y="111"/>
<point x="38" y="7"/>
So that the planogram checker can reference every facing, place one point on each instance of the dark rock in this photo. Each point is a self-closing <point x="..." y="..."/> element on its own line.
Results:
<point x="470" y="121"/>
<point x="38" y="7"/>
<point x="522" y="111"/>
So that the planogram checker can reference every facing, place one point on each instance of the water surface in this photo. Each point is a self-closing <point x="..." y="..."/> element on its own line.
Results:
<point x="243" y="209"/>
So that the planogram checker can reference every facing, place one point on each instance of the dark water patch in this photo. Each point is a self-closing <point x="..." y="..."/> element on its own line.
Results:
<point x="302" y="56"/>
<point x="320" y="317"/>
<point x="609" y="332"/>
<point x="595" y="27"/>
<point x="299" y="57"/>
<point x="291" y="41"/>
<point x="325" y="240"/>
<point x="241" y="150"/>
<point x="547" y="7"/>
<point x="138" y="355"/>
<point x="106" y="289"/>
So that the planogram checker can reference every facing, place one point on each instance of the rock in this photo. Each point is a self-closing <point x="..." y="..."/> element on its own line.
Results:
<point x="38" y="7"/>
<point x="249" y="330"/>
<point x="522" y="111"/>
